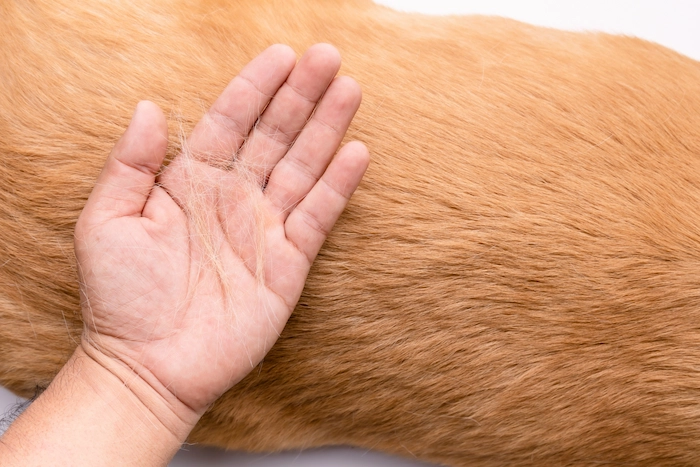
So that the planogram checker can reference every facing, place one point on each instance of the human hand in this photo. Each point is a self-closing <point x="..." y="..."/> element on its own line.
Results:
<point x="188" y="276"/>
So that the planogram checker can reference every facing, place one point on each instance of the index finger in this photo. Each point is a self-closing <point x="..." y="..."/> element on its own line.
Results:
<point x="221" y="132"/>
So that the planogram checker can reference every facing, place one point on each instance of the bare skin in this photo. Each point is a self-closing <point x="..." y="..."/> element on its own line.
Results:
<point x="189" y="275"/>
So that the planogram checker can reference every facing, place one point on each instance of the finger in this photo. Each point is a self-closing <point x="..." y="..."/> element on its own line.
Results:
<point x="222" y="130"/>
<point x="127" y="178"/>
<point x="290" y="109"/>
<point x="305" y="162"/>
<point x="312" y="220"/>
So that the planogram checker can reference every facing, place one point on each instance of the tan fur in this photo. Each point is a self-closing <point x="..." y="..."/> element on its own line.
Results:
<point x="516" y="282"/>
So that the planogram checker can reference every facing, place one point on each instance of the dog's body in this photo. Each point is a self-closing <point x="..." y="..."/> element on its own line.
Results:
<point x="517" y="280"/>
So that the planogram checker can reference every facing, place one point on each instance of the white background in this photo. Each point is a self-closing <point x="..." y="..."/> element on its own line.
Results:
<point x="675" y="24"/>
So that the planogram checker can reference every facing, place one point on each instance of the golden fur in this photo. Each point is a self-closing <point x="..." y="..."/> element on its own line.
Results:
<point x="516" y="281"/>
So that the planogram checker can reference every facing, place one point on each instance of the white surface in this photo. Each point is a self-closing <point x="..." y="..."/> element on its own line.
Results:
<point x="671" y="23"/>
<point x="336" y="457"/>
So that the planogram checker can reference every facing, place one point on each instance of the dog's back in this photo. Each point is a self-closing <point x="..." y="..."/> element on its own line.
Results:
<point x="515" y="282"/>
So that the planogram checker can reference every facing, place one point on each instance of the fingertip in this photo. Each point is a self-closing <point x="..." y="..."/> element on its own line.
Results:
<point x="145" y="105"/>
<point x="145" y="141"/>
<point x="326" y="54"/>
<point x="282" y="53"/>
<point x="351" y="89"/>
<point x="357" y="156"/>
<point x="280" y="48"/>
<point x="150" y="117"/>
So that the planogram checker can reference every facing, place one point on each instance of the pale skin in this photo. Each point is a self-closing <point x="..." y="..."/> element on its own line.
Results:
<point x="168" y="330"/>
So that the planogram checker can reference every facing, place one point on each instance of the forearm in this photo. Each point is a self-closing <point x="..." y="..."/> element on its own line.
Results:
<point x="91" y="415"/>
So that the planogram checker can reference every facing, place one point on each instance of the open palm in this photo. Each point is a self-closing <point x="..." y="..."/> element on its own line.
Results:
<point x="189" y="274"/>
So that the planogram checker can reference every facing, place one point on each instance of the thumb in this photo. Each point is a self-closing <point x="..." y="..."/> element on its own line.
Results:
<point x="129" y="174"/>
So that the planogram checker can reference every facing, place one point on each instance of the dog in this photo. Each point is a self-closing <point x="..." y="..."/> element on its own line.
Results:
<point x="514" y="282"/>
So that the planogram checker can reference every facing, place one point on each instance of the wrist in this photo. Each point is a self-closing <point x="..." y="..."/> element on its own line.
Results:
<point x="139" y="388"/>
<point x="97" y="411"/>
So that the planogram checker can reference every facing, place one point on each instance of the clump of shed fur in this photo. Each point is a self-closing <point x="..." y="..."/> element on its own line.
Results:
<point x="197" y="188"/>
